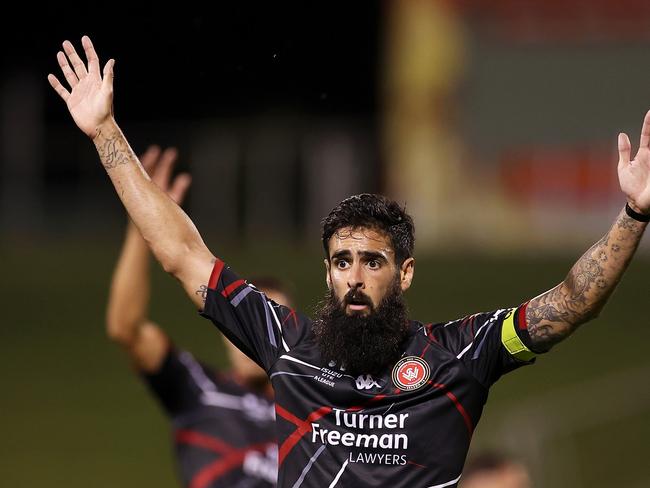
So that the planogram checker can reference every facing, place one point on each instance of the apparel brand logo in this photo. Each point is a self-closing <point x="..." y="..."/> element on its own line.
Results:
<point x="366" y="382"/>
<point x="410" y="373"/>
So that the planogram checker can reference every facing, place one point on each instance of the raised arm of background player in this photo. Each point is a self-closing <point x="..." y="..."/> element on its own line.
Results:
<point x="554" y="315"/>
<point x="168" y="231"/>
<point x="127" y="322"/>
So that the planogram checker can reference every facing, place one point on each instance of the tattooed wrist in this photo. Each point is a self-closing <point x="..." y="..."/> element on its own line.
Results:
<point x="112" y="148"/>
<point x="628" y="223"/>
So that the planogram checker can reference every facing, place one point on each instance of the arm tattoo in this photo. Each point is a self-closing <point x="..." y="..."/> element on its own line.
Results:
<point x="113" y="149"/>
<point x="202" y="292"/>
<point x="627" y="223"/>
<point x="203" y="289"/>
<point x="554" y="315"/>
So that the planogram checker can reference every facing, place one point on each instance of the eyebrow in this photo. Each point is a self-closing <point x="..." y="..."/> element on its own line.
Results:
<point x="341" y="254"/>
<point x="367" y="255"/>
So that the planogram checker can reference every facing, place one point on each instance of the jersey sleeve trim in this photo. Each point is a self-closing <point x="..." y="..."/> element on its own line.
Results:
<point x="511" y="340"/>
<point x="216" y="274"/>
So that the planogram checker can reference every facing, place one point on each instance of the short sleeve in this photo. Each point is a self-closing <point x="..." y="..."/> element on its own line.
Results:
<point x="489" y="344"/>
<point x="175" y="385"/>
<point x="259" y="327"/>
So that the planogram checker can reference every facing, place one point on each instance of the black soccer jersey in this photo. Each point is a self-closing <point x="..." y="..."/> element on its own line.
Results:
<point x="224" y="434"/>
<point x="408" y="427"/>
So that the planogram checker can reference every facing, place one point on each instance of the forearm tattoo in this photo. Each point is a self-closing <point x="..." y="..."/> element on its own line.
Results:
<point x="112" y="148"/>
<point x="553" y="316"/>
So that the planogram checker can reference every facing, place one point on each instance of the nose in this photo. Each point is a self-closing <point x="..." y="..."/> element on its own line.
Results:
<point x="355" y="278"/>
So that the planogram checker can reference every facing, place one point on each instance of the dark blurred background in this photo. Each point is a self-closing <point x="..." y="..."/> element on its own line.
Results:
<point x="495" y="122"/>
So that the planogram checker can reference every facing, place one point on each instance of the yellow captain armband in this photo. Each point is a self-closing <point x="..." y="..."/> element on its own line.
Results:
<point x="511" y="340"/>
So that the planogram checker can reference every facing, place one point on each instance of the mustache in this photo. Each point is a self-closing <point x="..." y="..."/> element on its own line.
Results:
<point x="357" y="297"/>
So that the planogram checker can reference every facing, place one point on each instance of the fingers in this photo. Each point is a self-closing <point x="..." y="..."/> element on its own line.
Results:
<point x="645" y="132"/>
<point x="149" y="158"/>
<point x="159" y="165"/>
<point x="75" y="60"/>
<point x="107" y="82"/>
<point x="179" y="187"/>
<point x="58" y="87"/>
<point x="70" y="76"/>
<point x="91" y="56"/>
<point x="624" y="150"/>
<point x="163" y="171"/>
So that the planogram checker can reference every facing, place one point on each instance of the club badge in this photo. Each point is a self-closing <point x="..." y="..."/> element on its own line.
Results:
<point x="410" y="373"/>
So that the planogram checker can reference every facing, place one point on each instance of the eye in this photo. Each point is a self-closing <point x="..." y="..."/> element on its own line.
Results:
<point x="342" y="264"/>
<point x="373" y="264"/>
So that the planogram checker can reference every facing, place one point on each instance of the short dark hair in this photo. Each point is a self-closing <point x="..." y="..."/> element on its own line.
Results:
<point x="374" y="212"/>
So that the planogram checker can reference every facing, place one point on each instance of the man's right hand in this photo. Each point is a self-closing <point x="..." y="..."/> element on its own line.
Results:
<point x="90" y="99"/>
<point x="170" y="234"/>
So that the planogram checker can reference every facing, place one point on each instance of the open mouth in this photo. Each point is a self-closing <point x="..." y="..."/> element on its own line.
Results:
<point x="358" y="303"/>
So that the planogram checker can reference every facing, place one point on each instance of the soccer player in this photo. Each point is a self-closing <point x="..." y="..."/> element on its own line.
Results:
<point x="364" y="395"/>
<point x="223" y="422"/>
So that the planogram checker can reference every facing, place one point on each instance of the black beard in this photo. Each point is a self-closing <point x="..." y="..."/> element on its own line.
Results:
<point x="362" y="344"/>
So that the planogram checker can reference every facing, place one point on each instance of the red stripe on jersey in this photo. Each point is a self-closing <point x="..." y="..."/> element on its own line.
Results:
<point x="216" y="273"/>
<point x="430" y="336"/>
<point x="201" y="440"/>
<point x="521" y="317"/>
<point x="217" y="469"/>
<point x="232" y="287"/>
<point x="292" y="314"/>
<point x="286" y="415"/>
<point x="429" y="329"/>
<point x="302" y="428"/>
<point x="459" y="407"/>
<point x="416" y="464"/>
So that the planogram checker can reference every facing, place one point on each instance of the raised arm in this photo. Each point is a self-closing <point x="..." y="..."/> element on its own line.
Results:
<point x="168" y="231"/>
<point x="554" y="315"/>
<point x="127" y="321"/>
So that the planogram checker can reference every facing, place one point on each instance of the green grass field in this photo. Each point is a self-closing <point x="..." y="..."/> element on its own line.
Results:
<point x="74" y="415"/>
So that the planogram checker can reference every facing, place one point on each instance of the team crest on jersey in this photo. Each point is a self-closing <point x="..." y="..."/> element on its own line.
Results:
<point x="410" y="373"/>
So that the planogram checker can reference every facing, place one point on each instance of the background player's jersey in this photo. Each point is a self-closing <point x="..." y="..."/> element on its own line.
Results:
<point x="224" y="434"/>
<point x="410" y="426"/>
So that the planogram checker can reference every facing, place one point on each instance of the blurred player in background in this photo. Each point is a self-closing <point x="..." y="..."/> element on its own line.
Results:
<point x="494" y="470"/>
<point x="223" y="422"/>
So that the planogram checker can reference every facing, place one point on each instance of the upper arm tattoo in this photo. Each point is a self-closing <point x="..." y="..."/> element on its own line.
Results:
<point x="202" y="292"/>
<point x="203" y="289"/>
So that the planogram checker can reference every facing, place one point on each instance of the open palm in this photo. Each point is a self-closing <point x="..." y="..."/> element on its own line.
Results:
<point x="90" y="98"/>
<point x="634" y="175"/>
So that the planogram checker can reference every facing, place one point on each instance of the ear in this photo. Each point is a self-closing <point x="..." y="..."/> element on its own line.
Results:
<point x="327" y="274"/>
<point x="406" y="273"/>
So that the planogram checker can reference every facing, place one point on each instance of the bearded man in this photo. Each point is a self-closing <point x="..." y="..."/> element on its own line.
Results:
<point x="364" y="396"/>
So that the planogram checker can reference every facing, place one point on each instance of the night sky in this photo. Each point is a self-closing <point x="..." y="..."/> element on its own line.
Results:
<point x="190" y="63"/>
